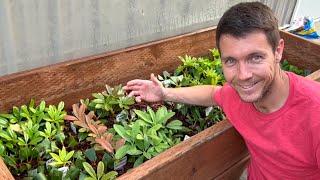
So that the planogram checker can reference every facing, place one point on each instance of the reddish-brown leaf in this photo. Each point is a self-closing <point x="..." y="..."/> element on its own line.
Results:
<point x="75" y="110"/>
<point x="89" y="122"/>
<point x="120" y="143"/>
<point x="105" y="144"/>
<point x="102" y="129"/>
<point x="70" y="118"/>
<point x="81" y="124"/>
<point x="82" y="111"/>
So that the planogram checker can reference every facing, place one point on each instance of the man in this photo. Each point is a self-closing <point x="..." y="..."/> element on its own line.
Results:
<point x="276" y="112"/>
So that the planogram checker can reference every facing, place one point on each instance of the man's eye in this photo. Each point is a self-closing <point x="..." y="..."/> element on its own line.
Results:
<point x="256" y="58"/>
<point x="229" y="62"/>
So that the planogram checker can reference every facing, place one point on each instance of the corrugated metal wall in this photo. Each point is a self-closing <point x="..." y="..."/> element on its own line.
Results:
<point x="36" y="33"/>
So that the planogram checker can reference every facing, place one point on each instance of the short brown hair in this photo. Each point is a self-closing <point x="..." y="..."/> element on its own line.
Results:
<point x="248" y="17"/>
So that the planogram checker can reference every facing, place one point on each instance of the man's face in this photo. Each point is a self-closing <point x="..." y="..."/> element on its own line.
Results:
<point x="249" y="64"/>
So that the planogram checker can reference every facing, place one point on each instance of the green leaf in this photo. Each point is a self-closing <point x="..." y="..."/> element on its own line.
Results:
<point x="175" y="124"/>
<point x="3" y="122"/>
<point x="90" y="178"/>
<point x="5" y="135"/>
<point x="60" y="137"/>
<point x="48" y="126"/>
<point x="165" y="116"/>
<point x="122" y="132"/>
<point x="147" y="155"/>
<point x="143" y="115"/>
<point x="60" y="106"/>
<point x="138" y="161"/>
<point x="107" y="160"/>
<point x="121" y="152"/>
<point x="98" y="101"/>
<point x="55" y="174"/>
<point x="42" y="106"/>
<point x="91" y="154"/>
<point x="99" y="106"/>
<point x="40" y="176"/>
<point x="73" y="173"/>
<point x="100" y="169"/>
<point x="134" y="151"/>
<point x="110" y="175"/>
<point x="36" y="140"/>
<point x="152" y="114"/>
<point x="63" y="153"/>
<point x="156" y="127"/>
<point x="89" y="169"/>
<point x="139" y="136"/>
<point x="69" y="156"/>
<point x="56" y="164"/>
<point x="98" y="95"/>
<point x="55" y="157"/>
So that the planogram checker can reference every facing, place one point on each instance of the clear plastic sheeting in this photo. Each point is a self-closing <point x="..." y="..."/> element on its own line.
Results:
<point x="36" y="33"/>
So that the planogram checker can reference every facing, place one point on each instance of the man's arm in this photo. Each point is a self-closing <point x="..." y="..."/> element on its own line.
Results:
<point x="196" y="95"/>
<point x="152" y="91"/>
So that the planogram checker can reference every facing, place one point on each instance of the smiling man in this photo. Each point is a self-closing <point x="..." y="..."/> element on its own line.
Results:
<point x="276" y="112"/>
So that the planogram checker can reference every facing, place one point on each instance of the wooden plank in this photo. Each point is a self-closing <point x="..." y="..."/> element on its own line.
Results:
<point x="73" y="80"/>
<point x="4" y="171"/>
<point x="204" y="156"/>
<point x="300" y="52"/>
<point x="235" y="171"/>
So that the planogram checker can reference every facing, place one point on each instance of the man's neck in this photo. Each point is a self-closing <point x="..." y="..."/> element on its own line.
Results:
<point x="277" y="95"/>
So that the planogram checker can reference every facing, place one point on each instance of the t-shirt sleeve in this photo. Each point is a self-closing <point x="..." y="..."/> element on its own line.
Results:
<point x="217" y="97"/>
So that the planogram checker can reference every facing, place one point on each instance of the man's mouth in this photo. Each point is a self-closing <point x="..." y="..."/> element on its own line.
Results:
<point x="247" y="86"/>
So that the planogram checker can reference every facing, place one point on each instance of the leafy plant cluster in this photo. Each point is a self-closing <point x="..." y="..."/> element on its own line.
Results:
<point x="288" y="67"/>
<point x="197" y="71"/>
<point x="149" y="135"/>
<point x="110" y="102"/>
<point x="29" y="134"/>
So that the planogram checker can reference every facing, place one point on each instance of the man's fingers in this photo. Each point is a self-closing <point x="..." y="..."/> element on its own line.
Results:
<point x="133" y="88"/>
<point x="134" y="93"/>
<point x="136" y="82"/>
<point x="155" y="80"/>
<point x="138" y="98"/>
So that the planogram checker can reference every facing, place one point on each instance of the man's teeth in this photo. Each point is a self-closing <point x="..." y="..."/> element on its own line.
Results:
<point x="247" y="86"/>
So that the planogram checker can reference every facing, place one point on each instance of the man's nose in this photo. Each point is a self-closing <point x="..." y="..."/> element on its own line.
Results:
<point x="244" y="71"/>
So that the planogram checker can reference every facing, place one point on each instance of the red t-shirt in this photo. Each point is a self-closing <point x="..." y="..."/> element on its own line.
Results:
<point x="284" y="144"/>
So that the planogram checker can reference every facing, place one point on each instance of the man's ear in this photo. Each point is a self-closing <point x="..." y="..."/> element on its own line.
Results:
<point x="279" y="50"/>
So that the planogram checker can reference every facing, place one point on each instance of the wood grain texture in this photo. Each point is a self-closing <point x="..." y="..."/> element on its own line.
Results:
<point x="300" y="52"/>
<point x="235" y="171"/>
<point x="4" y="171"/>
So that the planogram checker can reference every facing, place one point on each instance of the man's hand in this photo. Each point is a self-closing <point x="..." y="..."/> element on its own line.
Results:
<point x="148" y="90"/>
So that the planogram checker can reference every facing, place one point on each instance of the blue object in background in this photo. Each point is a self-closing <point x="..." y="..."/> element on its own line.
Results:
<point x="308" y="31"/>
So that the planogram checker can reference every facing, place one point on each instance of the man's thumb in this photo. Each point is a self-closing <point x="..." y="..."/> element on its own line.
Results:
<point x="155" y="80"/>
